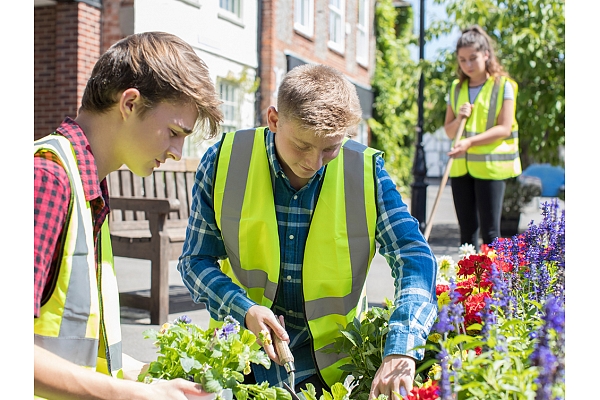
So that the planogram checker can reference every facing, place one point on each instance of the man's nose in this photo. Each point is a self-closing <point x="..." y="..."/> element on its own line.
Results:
<point x="176" y="149"/>
<point x="315" y="161"/>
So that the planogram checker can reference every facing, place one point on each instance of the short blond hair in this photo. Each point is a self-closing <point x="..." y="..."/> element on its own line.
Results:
<point x="319" y="98"/>
<point x="164" y="68"/>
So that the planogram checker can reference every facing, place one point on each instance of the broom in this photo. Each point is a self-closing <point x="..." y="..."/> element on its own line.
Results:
<point x="461" y="128"/>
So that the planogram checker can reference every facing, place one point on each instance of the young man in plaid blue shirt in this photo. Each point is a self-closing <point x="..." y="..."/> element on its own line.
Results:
<point x="285" y="222"/>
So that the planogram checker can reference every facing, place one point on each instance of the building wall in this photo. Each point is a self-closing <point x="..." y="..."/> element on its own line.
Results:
<point x="66" y="46"/>
<point x="70" y="36"/>
<point x="280" y="39"/>
<point x="227" y="44"/>
<point x="68" y="39"/>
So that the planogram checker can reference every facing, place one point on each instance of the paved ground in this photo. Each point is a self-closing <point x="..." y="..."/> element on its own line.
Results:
<point x="134" y="275"/>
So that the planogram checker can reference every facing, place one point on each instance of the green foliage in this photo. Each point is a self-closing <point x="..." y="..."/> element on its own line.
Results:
<point x="364" y="342"/>
<point x="530" y="43"/>
<point x="395" y="80"/>
<point x="217" y="358"/>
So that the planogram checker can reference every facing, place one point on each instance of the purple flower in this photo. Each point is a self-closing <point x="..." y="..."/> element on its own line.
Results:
<point x="184" y="319"/>
<point x="230" y="327"/>
<point x="548" y="357"/>
<point x="451" y="315"/>
<point x="444" y="382"/>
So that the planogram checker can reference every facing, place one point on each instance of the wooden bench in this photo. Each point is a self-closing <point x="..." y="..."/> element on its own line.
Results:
<point x="148" y="220"/>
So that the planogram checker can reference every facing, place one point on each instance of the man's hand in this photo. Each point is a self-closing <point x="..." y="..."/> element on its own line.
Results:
<point x="395" y="372"/>
<point x="261" y="319"/>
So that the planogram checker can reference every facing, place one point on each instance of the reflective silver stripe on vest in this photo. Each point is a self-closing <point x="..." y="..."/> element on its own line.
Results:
<point x="491" y="121"/>
<point x="233" y="197"/>
<point x="71" y="342"/>
<point x="358" y="236"/>
<point x="513" y="135"/>
<point x="77" y="302"/>
<point x="493" y="157"/>
<point x="116" y="363"/>
<point x="324" y="359"/>
<point x="81" y="351"/>
<point x="490" y="157"/>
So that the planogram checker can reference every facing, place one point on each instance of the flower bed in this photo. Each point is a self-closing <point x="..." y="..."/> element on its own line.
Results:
<point x="500" y="332"/>
<point x="501" y="323"/>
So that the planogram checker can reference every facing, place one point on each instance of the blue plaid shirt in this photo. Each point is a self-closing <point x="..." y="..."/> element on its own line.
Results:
<point x="412" y="262"/>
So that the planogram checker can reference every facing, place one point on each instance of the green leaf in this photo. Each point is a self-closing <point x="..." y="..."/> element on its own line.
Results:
<point x="339" y="391"/>
<point x="353" y="337"/>
<point x="188" y="363"/>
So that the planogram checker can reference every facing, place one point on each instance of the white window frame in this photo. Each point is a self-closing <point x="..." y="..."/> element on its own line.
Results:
<point x="362" y="133"/>
<point x="232" y="6"/>
<point x="231" y="10"/>
<point x="304" y="17"/>
<point x="194" y="3"/>
<point x="362" y="33"/>
<point x="337" y="25"/>
<point x="230" y="105"/>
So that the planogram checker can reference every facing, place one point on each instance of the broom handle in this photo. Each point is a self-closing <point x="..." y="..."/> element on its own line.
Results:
<point x="461" y="128"/>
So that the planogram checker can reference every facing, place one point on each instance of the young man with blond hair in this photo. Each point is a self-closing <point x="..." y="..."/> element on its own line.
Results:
<point x="285" y="221"/>
<point x="146" y="94"/>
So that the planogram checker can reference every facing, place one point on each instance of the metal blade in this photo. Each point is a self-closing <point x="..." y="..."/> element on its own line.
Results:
<point x="289" y="389"/>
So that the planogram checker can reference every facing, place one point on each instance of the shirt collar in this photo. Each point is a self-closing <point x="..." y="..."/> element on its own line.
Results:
<point x="85" y="159"/>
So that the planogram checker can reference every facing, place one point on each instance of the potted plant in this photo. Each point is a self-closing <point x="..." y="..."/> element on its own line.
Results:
<point x="519" y="192"/>
<point x="217" y="358"/>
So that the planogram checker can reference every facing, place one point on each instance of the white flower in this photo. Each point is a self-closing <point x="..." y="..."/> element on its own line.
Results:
<point x="466" y="250"/>
<point x="446" y="270"/>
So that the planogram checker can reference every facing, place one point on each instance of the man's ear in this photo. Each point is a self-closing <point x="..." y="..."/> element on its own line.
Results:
<point x="272" y="119"/>
<point x="129" y="101"/>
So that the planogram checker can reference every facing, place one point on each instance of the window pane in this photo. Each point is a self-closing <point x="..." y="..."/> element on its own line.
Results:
<point x="230" y="106"/>
<point x="233" y="6"/>
<point x="335" y="22"/>
<point x="304" y="16"/>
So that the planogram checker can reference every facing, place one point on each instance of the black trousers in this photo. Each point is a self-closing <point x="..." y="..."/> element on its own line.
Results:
<point x="478" y="205"/>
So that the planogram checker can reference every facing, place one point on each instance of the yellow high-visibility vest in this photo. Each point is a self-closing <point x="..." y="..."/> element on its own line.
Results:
<point x="81" y="315"/>
<point x="339" y="247"/>
<point x="494" y="161"/>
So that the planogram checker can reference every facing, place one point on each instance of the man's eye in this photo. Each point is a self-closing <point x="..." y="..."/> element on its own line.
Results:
<point x="173" y="133"/>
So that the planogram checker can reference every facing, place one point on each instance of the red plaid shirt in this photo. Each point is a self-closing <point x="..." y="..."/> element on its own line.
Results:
<point x="51" y="194"/>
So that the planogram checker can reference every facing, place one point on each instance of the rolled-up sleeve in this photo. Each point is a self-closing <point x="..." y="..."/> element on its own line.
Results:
<point x="413" y="267"/>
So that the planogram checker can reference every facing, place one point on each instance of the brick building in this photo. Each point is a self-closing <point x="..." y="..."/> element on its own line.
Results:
<point x="239" y="40"/>
<point x="336" y="33"/>
<point x="69" y="36"/>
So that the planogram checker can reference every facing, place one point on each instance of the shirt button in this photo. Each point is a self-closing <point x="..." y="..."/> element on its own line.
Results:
<point x="295" y="197"/>
<point x="289" y="278"/>
<point x="291" y="237"/>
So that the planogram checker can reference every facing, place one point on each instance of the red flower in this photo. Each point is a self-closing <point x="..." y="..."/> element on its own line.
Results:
<point x="473" y="305"/>
<point x="439" y="289"/>
<point x="485" y="249"/>
<point x="479" y="266"/>
<point x="504" y="266"/>
<point x="425" y="393"/>
<point x="465" y="288"/>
